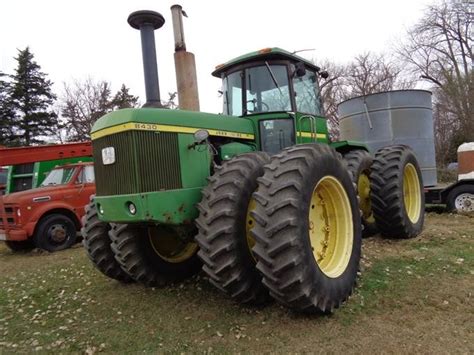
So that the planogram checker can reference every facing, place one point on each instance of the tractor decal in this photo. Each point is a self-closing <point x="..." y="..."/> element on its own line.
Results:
<point x="137" y="126"/>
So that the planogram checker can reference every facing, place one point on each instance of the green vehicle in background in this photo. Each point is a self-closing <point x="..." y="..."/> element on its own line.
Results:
<point x="259" y="196"/>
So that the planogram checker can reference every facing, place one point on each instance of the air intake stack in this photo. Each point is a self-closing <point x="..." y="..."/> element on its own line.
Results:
<point x="147" y="22"/>
<point x="185" y="65"/>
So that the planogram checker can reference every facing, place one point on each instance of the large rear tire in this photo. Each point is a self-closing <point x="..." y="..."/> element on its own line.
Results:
<point x="398" y="200"/>
<point x="224" y="223"/>
<point x="308" y="230"/>
<point x="97" y="243"/>
<point x="359" y="163"/>
<point x="154" y="255"/>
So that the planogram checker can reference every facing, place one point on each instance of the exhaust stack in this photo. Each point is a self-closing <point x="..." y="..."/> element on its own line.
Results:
<point x="185" y="65"/>
<point x="147" y="22"/>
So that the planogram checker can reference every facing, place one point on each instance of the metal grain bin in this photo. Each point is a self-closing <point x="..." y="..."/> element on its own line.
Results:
<point x="393" y="117"/>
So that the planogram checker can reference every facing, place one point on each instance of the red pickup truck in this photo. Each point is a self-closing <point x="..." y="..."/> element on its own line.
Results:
<point x="49" y="216"/>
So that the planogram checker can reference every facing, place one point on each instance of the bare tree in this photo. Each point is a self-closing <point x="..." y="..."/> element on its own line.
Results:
<point x="84" y="102"/>
<point x="371" y="73"/>
<point x="366" y="74"/>
<point x="332" y="92"/>
<point x="439" y="50"/>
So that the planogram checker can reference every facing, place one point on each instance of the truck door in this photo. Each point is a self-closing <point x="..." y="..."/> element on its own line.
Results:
<point x="85" y="185"/>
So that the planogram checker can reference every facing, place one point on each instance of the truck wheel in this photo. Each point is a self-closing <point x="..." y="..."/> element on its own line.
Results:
<point x="97" y="242"/>
<point x="359" y="164"/>
<point x="154" y="255"/>
<point x="398" y="199"/>
<point x="55" y="232"/>
<point x="23" y="245"/>
<point x="307" y="230"/>
<point x="224" y="225"/>
<point x="461" y="199"/>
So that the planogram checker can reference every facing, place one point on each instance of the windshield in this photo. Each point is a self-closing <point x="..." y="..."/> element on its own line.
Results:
<point x="266" y="90"/>
<point x="58" y="177"/>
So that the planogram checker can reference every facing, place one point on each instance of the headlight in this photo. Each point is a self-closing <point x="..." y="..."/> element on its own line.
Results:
<point x="131" y="208"/>
<point x="108" y="155"/>
<point x="18" y="212"/>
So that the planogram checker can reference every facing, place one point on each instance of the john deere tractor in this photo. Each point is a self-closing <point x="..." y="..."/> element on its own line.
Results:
<point x="258" y="196"/>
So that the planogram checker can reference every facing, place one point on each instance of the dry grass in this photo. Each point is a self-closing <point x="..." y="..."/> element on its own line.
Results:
<point x="414" y="296"/>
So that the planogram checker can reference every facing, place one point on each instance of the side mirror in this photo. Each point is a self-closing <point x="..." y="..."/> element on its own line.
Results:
<point x="324" y="74"/>
<point x="300" y="70"/>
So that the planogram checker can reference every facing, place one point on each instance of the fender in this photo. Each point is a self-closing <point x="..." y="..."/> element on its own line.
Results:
<point x="39" y="211"/>
<point x="344" y="147"/>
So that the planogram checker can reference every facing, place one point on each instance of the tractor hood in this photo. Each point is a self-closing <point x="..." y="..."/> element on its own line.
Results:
<point x="179" y="121"/>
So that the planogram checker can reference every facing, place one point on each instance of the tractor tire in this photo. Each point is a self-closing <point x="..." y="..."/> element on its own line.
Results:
<point x="398" y="199"/>
<point x="359" y="164"/>
<point x="461" y="199"/>
<point x="20" y="246"/>
<point x="55" y="232"/>
<point x="224" y="225"/>
<point x="97" y="243"/>
<point x="149" y="260"/>
<point x="307" y="230"/>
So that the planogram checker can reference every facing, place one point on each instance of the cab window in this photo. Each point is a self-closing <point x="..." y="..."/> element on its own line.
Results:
<point x="307" y="93"/>
<point x="276" y="134"/>
<point x="86" y="176"/>
<point x="232" y="92"/>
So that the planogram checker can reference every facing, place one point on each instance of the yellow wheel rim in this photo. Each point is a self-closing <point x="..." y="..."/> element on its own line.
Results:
<point x="169" y="246"/>
<point x="363" y="190"/>
<point x="331" y="231"/>
<point x="411" y="193"/>
<point x="249" y="223"/>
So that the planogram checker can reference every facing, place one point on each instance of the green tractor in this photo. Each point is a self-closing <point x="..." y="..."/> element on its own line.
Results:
<point x="258" y="197"/>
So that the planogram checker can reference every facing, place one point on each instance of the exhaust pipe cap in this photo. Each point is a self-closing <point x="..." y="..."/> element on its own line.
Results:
<point x="146" y="17"/>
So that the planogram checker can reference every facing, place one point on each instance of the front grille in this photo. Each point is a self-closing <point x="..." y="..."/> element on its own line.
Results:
<point x="9" y="214"/>
<point x="145" y="161"/>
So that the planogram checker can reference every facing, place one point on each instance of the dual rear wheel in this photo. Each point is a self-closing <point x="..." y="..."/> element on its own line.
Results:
<point x="282" y="227"/>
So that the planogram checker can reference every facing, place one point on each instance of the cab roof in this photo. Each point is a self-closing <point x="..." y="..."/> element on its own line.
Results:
<point x="265" y="53"/>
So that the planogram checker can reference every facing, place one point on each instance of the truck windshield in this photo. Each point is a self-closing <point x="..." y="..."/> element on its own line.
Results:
<point x="266" y="90"/>
<point x="58" y="177"/>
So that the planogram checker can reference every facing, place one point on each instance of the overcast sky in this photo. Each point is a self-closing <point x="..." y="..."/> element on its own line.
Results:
<point x="91" y="38"/>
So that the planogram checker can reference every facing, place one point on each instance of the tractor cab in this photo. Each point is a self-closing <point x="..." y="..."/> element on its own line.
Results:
<point x="277" y="90"/>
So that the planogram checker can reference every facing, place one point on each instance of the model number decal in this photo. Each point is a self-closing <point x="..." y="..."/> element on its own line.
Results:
<point x="146" y="126"/>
